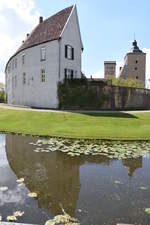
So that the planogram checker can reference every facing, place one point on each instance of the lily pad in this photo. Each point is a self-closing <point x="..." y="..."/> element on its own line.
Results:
<point x="63" y="219"/>
<point x="18" y="214"/>
<point x="4" y="188"/>
<point x="21" y="180"/>
<point x="143" y="188"/>
<point x="32" y="195"/>
<point x="147" y="210"/>
<point x="11" y="218"/>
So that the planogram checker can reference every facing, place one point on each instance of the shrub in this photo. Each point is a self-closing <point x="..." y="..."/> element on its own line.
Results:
<point x="2" y="96"/>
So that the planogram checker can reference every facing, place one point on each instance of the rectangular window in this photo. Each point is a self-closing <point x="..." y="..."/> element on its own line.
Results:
<point x="23" y="59"/>
<point x="15" y="63"/>
<point x="15" y="81"/>
<point x="24" y="78"/>
<point x="43" y="54"/>
<point x="69" y="74"/>
<point x="69" y="52"/>
<point x="42" y="75"/>
<point x="9" y="68"/>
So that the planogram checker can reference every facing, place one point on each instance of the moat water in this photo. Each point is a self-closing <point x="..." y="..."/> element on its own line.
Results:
<point x="94" y="189"/>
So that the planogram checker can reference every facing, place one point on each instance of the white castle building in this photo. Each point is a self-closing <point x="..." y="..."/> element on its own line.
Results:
<point x="49" y="54"/>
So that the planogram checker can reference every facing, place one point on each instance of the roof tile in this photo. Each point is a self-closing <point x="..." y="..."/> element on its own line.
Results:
<point x="50" y="29"/>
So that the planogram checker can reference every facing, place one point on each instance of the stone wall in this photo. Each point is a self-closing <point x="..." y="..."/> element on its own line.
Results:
<point x="98" y="95"/>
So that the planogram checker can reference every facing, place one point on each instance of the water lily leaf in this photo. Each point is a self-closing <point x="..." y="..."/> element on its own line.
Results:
<point x="50" y="222"/>
<point x="79" y="210"/>
<point x="21" y="180"/>
<point x="18" y="214"/>
<point x="63" y="219"/>
<point x="11" y="218"/>
<point x="20" y="184"/>
<point x="117" y="182"/>
<point x="147" y="210"/>
<point x="143" y="188"/>
<point x="4" y="188"/>
<point x="32" y="195"/>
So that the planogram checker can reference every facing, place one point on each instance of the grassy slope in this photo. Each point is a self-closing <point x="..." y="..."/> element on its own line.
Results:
<point x="76" y="125"/>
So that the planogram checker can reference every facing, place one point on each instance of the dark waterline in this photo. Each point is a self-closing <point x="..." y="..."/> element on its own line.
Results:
<point x="96" y="190"/>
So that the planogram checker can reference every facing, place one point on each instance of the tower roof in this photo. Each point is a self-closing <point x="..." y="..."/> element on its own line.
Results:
<point x="135" y="48"/>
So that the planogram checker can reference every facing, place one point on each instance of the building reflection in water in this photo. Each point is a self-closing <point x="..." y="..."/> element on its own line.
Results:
<point x="55" y="177"/>
<point x="132" y="165"/>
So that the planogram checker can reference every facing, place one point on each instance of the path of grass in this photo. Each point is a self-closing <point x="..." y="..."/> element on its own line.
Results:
<point x="118" y="126"/>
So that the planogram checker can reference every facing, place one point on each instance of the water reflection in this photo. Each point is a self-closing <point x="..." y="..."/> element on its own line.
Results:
<point x="81" y="182"/>
<point x="132" y="165"/>
<point x="55" y="177"/>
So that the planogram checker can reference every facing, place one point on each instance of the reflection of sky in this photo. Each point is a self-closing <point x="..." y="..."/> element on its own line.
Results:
<point x="3" y="158"/>
<point x="8" y="178"/>
<point x="13" y="196"/>
<point x="16" y="198"/>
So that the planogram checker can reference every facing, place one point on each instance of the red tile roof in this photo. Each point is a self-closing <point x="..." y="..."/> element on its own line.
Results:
<point x="49" y="30"/>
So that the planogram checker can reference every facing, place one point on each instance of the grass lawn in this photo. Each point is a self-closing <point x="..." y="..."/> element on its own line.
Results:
<point x="119" y="126"/>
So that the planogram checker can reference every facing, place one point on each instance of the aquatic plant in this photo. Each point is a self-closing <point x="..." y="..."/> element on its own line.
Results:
<point x="110" y="149"/>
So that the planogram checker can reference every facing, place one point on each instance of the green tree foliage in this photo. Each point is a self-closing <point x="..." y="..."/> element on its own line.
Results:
<point x="126" y="82"/>
<point x="2" y="96"/>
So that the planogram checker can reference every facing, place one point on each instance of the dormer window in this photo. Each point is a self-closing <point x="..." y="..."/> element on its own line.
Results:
<point x="69" y="52"/>
<point x="43" y="54"/>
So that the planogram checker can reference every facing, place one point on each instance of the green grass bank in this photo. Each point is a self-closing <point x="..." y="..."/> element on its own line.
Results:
<point x="113" y="126"/>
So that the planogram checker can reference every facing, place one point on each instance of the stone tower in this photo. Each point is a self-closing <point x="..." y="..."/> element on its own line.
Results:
<point x="134" y="64"/>
<point x="110" y="69"/>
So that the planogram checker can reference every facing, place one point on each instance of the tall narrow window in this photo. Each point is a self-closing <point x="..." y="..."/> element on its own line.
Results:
<point x="69" y="73"/>
<point x="13" y="64"/>
<point x="42" y="75"/>
<point x="43" y="54"/>
<point x="24" y="78"/>
<point x="15" y="81"/>
<point x="16" y="63"/>
<point x="23" y="59"/>
<point x="69" y="52"/>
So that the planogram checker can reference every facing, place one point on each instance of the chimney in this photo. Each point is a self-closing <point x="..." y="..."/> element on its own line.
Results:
<point x="41" y="19"/>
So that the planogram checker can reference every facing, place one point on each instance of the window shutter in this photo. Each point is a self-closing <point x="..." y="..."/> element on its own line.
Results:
<point x="71" y="74"/>
<point x="72" y="53"/>
<point x="65" y="51"/>
<point x="65" y="73"/>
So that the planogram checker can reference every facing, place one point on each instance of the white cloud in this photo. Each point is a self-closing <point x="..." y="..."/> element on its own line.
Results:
<point x="17" y="17"/>
<point x="98" y="74"/>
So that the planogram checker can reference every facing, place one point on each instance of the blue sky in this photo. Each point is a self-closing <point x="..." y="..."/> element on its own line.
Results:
<point x="107" y="27"/>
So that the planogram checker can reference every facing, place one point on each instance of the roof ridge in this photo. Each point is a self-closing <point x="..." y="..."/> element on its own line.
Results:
<point x="59" y="12"/>
<point x="49" y="30"/>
